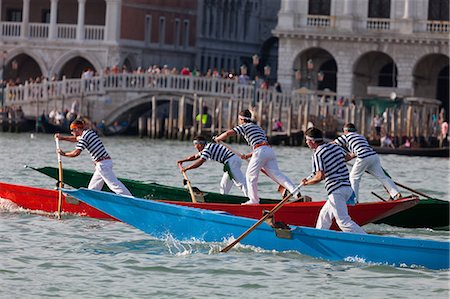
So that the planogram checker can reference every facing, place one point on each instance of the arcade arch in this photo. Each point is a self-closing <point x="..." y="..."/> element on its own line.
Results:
<point x="315" y="69"/>
<point x="373" y="69"/>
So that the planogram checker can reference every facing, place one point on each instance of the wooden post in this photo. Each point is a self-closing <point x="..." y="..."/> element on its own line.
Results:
<point x="214" y="117"/>
<point x="362" y="121"/>
<point x="141" y="126"/>
<point x="299" y="117"/>
<point x="194" y="114"/>
<point x="305" y="115"/>
<point x="200" y="114"/>
<point x="289" y="120"/>
<point x="230" y="113"/>
<point x="170" y="122"/>
<point x="408" y="121"/>
<point x="269" y="120"/>
<point x="154" y="115"/>
<point x="220" y="117"/>
<point x="181" y="111"/>
<point x="149" y="127"/>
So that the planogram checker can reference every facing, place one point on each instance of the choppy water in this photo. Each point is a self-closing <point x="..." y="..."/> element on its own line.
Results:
<point x="88" y="258"/>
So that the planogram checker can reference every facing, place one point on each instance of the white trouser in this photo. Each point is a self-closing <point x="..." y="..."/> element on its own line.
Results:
<point x="264" y="158"/>
<point x="104" y="174"/>
<point x="226" y="183"/>
<point x="336" y="207"/>
<point x="373" y="166"/>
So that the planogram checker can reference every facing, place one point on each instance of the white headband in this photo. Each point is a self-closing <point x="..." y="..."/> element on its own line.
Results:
<point x="244" y="117"/>
<point x="314" y="139"/>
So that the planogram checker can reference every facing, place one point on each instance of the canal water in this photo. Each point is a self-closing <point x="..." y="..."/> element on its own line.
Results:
<point x="87" y="258"/>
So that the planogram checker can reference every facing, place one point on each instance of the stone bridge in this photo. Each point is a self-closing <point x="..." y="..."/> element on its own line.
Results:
<point x="130" y="96"/>
<point x="172" y="102"/>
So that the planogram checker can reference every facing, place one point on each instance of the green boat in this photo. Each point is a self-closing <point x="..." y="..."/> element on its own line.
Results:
<point x="429" y="213"/>
<point x="155" y="191"/>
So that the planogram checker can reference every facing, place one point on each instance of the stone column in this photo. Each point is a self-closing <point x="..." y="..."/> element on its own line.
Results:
<point x="80" y="22"/>
<point x="405" y="24"/>
<point x="113" y="20"/>
<point x="25" y="18"/>
<point x="53" y="30"/>
<point x="406" y="12"/>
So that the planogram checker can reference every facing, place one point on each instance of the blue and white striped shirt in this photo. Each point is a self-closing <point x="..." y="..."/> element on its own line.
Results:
<point x="356" y="144"/>
<point x="91" y="142"/>
<point x="252" y="133"/>
<point x="329" y="158"/>
<point x="216" y="152"/>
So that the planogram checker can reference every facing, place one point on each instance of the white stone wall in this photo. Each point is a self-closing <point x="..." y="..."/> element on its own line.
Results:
<point x="347" y="40"/>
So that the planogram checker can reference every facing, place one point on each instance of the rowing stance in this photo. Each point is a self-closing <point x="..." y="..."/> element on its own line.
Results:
<point x="217" y="152"/>
<point x="328" y="163"/>
<point x="262" y="157"/>
<point x="87" y="139"/>
<point x="366" y="160"/>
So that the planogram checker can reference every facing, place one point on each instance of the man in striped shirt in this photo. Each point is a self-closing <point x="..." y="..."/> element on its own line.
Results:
<point x="262" y="157"/>
<point x="87" y="139"/>
<point x="217" y="152"/>
<point x="328" y="163"/>
<point x="366" y="160"/>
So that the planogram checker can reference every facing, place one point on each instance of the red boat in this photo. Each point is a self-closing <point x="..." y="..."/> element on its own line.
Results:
<point x="297" y="213"/>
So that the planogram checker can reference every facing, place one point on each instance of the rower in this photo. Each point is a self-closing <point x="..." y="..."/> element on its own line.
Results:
<point x="262" y="157"/>
<point x="87" y="139"/>
<point x="329" y="165"/>
<point x="366" y="160"/>
<point x="217" y="152"/>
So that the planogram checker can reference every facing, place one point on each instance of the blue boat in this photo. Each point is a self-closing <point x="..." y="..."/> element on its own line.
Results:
<point x="183" y="223"/>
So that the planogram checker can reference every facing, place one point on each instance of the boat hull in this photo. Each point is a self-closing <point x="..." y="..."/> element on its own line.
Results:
<point x="421" y="152"/>
<point x="185" y="223"/>
<point x="428" y="213"/>
<point x="304" y="214"/>
<point x="38" y="199"/>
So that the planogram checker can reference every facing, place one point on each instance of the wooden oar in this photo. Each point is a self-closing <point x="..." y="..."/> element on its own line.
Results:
<point x="60" y="177"/>
<point x="281" y="189"/>
<point x="191" y="191"/>
<point x="406" y="187"/>
<point x="378" y="196"/>
<point x="270" y="213"/>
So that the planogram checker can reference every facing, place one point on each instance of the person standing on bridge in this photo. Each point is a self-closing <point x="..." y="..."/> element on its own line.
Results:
<point x="217" y="152"/>
<point x="262" y="157"/>
<point x="87" y="139"/>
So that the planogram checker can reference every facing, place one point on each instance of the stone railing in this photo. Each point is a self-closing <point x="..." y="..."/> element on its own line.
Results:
<point x="319" y="21"/>
<point x="438" y="26"/>
<point x="134" y="83"/>
<point x="374" y="24"/>
<point x="41" y="31"/>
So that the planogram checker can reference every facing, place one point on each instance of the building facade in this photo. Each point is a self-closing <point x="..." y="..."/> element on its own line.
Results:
<point x="63" y="38"/>
<point x="365" y="48"/>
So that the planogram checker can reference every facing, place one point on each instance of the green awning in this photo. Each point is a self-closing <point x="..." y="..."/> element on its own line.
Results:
<point x="380" y="104"/>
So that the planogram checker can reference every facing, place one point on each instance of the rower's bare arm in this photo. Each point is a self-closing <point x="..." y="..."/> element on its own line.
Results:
<point x="225" y="135"/>
<point x="72" y="154"/>
<point x="318" y="176"/>
<point x="66" y="138"/>
<point x="194" y="165"/>
<point x="190" y="158"/>
<point x="349" y="156"/>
